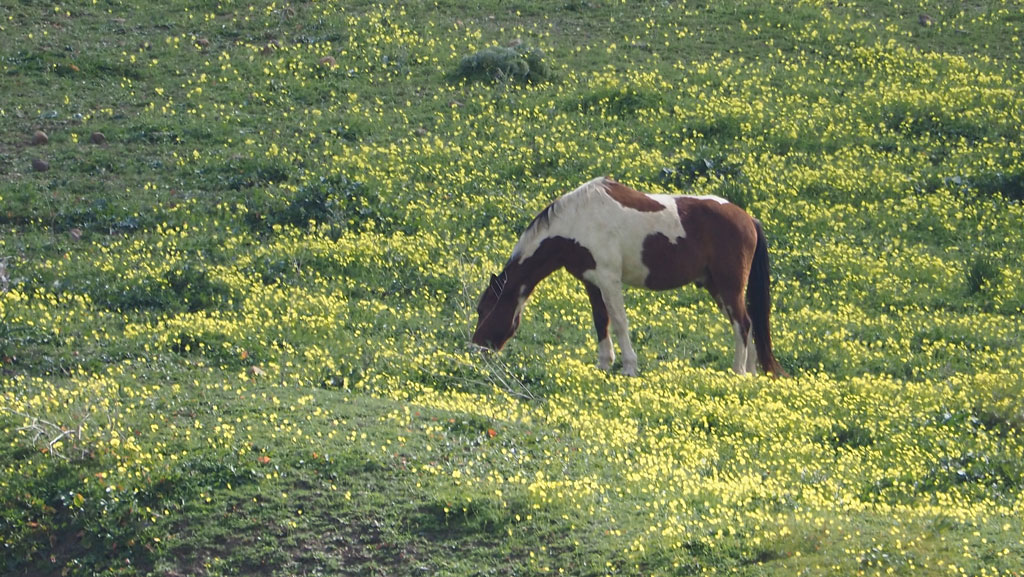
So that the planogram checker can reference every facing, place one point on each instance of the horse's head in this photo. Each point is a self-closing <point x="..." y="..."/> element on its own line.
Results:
<point x="499" y="310"/>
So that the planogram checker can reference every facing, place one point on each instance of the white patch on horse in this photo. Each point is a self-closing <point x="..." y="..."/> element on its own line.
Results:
<point x="740" y="359"/>
<point x="521" y="304"/>
<point x="751" y="353"/>
<point x="543" y="228"/>
<point x="613" y="233"/>
<point x="710" y="197"/>
<point x="605" y="353"/>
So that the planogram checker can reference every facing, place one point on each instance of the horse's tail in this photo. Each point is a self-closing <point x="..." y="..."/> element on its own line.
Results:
<point x="759" y="305"/>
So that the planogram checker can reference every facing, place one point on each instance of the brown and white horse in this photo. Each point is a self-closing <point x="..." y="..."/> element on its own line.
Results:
<point x="607" y="234"/>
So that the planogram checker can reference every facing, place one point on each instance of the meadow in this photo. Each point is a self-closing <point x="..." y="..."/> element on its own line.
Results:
<point x="241" y="246"/>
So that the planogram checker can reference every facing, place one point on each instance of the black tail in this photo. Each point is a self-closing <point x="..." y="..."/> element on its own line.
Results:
<point x="759" y="305"/>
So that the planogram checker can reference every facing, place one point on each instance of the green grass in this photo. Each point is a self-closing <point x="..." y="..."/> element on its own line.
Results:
<point x="233" y="332"/>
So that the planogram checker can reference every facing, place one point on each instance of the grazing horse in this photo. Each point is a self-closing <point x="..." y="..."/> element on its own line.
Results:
<point x="607" y="234"/>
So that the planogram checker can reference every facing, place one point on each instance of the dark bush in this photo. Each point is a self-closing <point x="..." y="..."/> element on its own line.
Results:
<point x="245" y="173"/>
<point x="619" y="101"/>
<point x="980" y="273"/>
<point x="1009" y="185"/>
<point x="187" y="287"/>
<point x="192" y="287"/>
<point x="504" y="64"/>
<point x="687" y="171"/>
<point x="335" y="201"/>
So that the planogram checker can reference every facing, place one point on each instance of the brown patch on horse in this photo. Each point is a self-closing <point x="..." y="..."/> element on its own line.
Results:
<point x="720" y="239"/>
<point x="630" y="198"/>
<point x="554" y="253"/>
<point x="671" y="263"/>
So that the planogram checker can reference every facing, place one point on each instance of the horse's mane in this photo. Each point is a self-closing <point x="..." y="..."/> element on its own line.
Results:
<point x="541" y="223"/>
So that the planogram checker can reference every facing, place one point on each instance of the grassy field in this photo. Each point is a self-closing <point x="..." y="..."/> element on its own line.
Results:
<point x="241" y="246"/>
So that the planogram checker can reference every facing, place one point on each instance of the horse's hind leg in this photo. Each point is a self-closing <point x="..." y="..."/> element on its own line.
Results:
<point x="727" y="282"/>
<point x="605" y="351"/>
<point x="751" y="353"/>
<point x="732" y="303"/>
<point x="745" y="356"/>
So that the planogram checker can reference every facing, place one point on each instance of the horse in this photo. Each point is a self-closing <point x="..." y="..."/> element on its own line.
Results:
<point x="607" y="235"/>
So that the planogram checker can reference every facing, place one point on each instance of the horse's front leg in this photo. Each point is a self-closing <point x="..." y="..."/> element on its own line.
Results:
<point x="615" y="308"/>
<point x="605" y="351"/>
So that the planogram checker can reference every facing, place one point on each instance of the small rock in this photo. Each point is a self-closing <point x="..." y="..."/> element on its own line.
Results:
<point x="40" y="165"/>
<point x="97" y="138"/>
<point x="328" y="61"/>
<point x="40" y="138"/>
<point x="925" y="20"/>
<point x="76" y="234"/>
<point x="203" y="43"/>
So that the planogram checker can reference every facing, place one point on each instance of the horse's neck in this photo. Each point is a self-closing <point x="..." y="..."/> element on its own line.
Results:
<point x="528" y="272"/>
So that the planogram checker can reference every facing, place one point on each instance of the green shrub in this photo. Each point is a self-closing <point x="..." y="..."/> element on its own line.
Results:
<point x="187" y="287"/>
<point x="687" y="171"/>
<point x="981" y="273"/>
<point x="504" y="64"/>
<point x="619" y="102"/>
<point x="335" y="201"/>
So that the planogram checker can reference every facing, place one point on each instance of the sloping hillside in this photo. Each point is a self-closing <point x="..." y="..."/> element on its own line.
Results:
<point x="241" y="247"/>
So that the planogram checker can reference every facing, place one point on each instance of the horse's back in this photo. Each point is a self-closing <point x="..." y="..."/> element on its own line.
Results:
<point x="713" y="217"/>
<point x="652" y="240"/>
